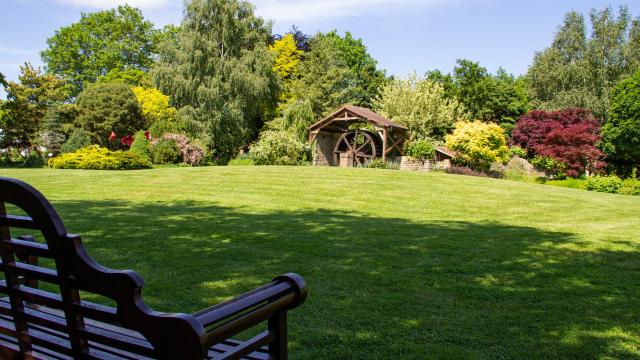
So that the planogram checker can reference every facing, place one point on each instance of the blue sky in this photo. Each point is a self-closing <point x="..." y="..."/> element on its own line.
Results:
<point x="403" y="35"/>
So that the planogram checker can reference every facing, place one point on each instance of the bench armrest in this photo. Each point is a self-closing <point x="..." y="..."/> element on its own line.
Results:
<point x="231" y="317"/>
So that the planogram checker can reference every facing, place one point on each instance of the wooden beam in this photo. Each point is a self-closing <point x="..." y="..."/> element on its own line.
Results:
<point x="384" y="144"/>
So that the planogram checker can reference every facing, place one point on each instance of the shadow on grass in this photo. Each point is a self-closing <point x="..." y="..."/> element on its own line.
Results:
<point x="382" y="287"/>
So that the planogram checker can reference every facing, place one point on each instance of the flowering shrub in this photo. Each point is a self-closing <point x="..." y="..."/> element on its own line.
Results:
<point x="277" y="148"/>
<point x="191" y="152"/>
<point x="94" y="157"/>
<point x="568" y="136"/>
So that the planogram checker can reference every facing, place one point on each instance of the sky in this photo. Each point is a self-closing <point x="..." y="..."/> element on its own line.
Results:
<point x="403" y="35"/>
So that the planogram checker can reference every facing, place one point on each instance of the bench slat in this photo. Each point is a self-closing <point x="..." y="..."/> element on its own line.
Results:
<point x="29" y="247"/>
<point x="23" y="222"/>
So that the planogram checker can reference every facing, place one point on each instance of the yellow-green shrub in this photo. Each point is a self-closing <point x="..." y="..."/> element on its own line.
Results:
<point x="96" y="158"/>
<point x="479" y="144"/>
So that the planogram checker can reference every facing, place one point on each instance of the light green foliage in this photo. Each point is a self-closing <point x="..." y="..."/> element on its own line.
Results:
<point x="27" y="104"/>
<point x="219" y="71"/>
<point x="376" y="164"/>
<point x="579" y="71"/>
<point x="419" y="149"/>
<point x="154" y="105"/>
<point x="100" y="42"/>
<point x="277" y="148"/>
<point x="609" y="184"/>
<point x="131" y="77"/>
<point x="96" y="158"/>
<point x="518" y="151"/>
<point x="165" y="151"/>
<point x="479" y="144"/>
<point x="421" y="105"/>
<point x="140" y="146"/>
<point x="107" y="107"/>
<point x="551" y="166"/>
<point x="324" y="78"/>
<point x="621" y="133"/>
<point x="79" y="138"/>
<point x="630" y="186"/>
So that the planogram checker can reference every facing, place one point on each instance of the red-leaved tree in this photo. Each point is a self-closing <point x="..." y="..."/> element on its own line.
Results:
<point x="568" y="136"/>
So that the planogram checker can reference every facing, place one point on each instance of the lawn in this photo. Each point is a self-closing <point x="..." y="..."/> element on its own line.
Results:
<point x="399" y="265"/>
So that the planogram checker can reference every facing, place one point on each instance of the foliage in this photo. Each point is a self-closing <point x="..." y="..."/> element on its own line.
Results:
<point x="550" y="166"/>
<point x="109" y="107"/>
<point x="51" y="135"/>
<point x="154" y="105"/>
<point x="27" y="104"/>
<point x="621" y="133"/>
<point x="324" y="78"/>
<point x="219" y="70"/>
<point x="296" y="118"/>
<point x="287" y="56"/>
<point x="499" y="98"/>
<point x="94" y="157"/>
<point x="100" y="42"/>
<point x="277" y="148"/>
<point x="478" y="144"/>
<point x="608" y="184"/>
<point x="377" y="163"/>
<point x="518" y="151"/>
<point x="421" y="105"/>
<point x="569" y="136"/>
<point x="165" y="151"/>
<point x="141" y="146"/>
<point x="79" y="138"/>
<point x="579" y="72"/>
<point x="368" y="80"/>
<point x="131" y="76"/>
<point x="419" y="149"/>
<point x="191" y="152"/>
<point x="33" y="160"/>
<point x="630" y="186"/>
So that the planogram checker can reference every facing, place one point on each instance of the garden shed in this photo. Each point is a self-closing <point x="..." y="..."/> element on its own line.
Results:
<point x="354" y="135"/>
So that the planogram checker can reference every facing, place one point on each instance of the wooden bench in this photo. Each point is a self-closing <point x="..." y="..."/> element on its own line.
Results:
<point x="39" y="324"/>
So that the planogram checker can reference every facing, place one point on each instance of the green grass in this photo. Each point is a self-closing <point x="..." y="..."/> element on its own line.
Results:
<point x="400" y="265"/>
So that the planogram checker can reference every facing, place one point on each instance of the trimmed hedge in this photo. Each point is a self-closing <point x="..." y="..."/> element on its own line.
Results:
<point x="96" y="158"/>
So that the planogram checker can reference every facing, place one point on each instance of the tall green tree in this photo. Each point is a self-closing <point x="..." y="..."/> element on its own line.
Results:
<point x="28" y="101"/>
<point x="324" y="78"/>
<point x="369" y="80"/>
<point x="219" y="71"/>
<point x="112" y="39"/>
<point x="579" y="70"/>
<point x="621" y="133"/>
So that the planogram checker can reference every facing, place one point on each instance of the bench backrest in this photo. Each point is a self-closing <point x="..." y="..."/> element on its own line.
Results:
<point x="72" y="271"/>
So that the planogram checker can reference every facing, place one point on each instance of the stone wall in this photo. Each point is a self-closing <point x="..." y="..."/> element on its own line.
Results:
<point x="410" y="164"/>
<point x="325" y="144"/>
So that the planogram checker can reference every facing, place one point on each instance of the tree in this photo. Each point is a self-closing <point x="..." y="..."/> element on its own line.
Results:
<point x="113" y="39"/>
<point x="287" y="56"/>
<point x="277" y="148"/>
<point x="296" y="118"/>
<point x="579" y="72"/>
<point x="106" y="108"/>
<point x="368" y="79"/>
<point x="478" y="144"/>
<point x="219" y="71"/>
<point x="421" y="105"/>
<point x="621" y="133"/>
<point x="28" y="101"/>
<point x="131" y="77"/>
<point x="154" y="105"/>
<point x="324" y="78"/>
<point x="569" y="136"/>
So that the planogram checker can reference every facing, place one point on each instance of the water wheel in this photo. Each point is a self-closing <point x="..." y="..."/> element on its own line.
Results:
<point x="360" y="146"/>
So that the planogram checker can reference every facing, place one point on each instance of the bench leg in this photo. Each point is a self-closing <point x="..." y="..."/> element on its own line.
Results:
<point x="278" y="327"/>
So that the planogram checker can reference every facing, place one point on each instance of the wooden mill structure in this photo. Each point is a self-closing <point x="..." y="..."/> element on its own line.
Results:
<point x="355" y="135"/>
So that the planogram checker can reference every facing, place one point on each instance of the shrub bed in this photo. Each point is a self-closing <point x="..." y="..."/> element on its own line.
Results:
<point x="96" y="158"/>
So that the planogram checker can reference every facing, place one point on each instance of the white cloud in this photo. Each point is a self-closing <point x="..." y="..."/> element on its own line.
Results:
<point x="300" y="11"/>
<point x="108" y="4"/>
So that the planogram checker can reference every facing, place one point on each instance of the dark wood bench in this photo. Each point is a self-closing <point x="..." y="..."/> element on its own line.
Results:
<point x="39" y="324"/>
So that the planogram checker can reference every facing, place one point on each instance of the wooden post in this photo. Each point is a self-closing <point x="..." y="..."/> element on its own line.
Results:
<point x="384" y="144"/>
<point x="278" y="327"/>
